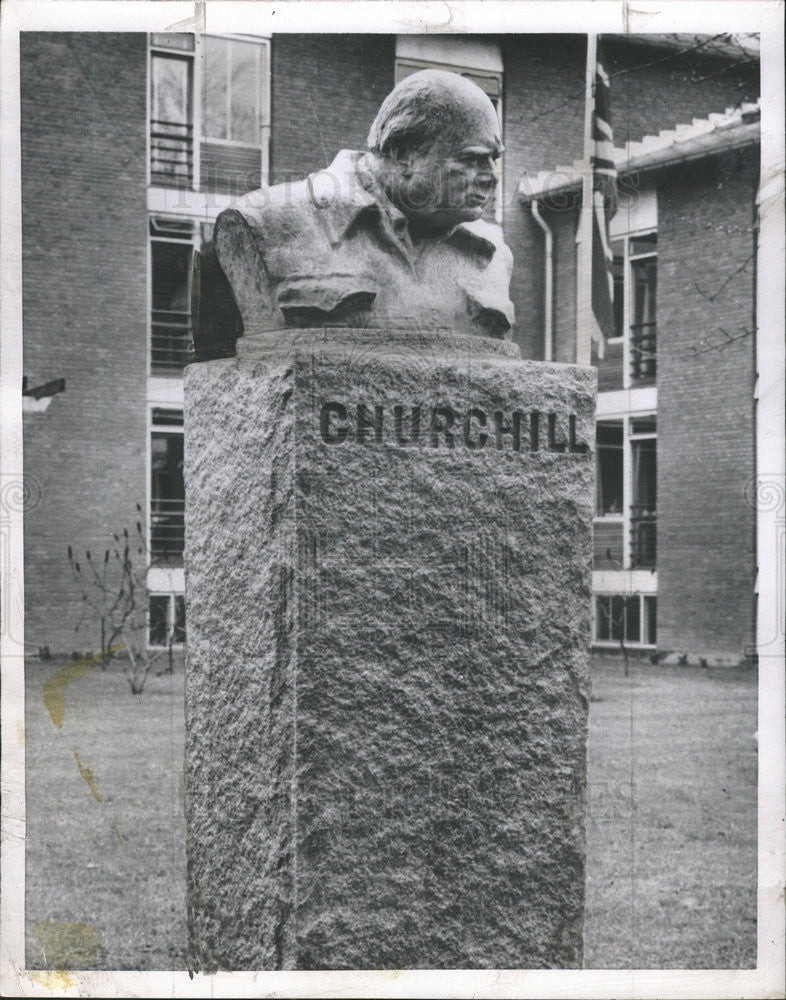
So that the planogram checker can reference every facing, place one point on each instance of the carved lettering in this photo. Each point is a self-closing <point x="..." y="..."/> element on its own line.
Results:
<point x="577" y="447"/>
<point x="534" y="430"/>
<point x="398" y="426"/>
<point x="501" y="427"/>
<point x="476" y="443"/>
<point x="554" y="444"/>
<point x="442" y="419"/>
<point x="448" y="427"/>
<point x="328" y="410"/>
<point x="366" y="423"/>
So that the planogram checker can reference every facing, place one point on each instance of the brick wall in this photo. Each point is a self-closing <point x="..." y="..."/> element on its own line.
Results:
<point x="543" y="112"/>
<point x="705" y="405"/>
<point x="651" y="89"/>
<point x="655" y="88"/>
<point x="85" y="294"/>
<point x="326" y="91"/>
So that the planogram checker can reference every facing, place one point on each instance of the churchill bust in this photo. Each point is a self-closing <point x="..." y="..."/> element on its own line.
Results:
<point x="388" y="237"/>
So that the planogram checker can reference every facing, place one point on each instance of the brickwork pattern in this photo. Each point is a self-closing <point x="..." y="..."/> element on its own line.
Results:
<point x="705" y="405"/>
<point x="326" y="91"/>
<point x="85" y="300"/>
<point x="543" y="110"/>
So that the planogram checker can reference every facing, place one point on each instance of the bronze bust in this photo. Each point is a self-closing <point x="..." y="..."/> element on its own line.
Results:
<point x="389" y="237"/>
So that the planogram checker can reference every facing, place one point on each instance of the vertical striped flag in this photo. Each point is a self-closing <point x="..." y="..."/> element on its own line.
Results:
<point x="604" y="205"/>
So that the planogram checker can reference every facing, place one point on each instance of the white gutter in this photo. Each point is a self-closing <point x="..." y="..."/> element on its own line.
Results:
<point x="548" y="320"/>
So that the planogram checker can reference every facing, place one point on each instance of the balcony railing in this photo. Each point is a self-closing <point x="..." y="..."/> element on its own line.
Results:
<point x="171" y="342"/>
<point x="643" y="357"/>
<point x="171" y="153"/>
<point x="167" y="528"/>
<point x="643" y="536"/>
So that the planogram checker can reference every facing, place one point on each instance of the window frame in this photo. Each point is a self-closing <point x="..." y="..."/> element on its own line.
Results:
<point x="171" y="596"/>
<point x="619" y="516"/>
<point x="263" y="46"/>
<point x="629" y="437"/>
<point x="196" y="57"/>
<point x="157" y="428"/>
<point x="630" y="260"/>
<point x="194" y="242"/>
<point x="645" y="640"/>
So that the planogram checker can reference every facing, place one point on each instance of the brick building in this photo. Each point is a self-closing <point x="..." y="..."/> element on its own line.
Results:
<point x="145" y="138"/>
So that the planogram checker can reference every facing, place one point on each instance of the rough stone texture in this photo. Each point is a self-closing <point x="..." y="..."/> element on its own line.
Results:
<point x="387" y="683"/>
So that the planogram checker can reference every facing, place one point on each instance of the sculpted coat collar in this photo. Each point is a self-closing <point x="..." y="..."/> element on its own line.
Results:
<point x="333" y="250"/>
<point x="348" y="189"/>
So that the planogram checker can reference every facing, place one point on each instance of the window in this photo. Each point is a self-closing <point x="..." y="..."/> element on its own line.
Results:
<point x="171" y="106"/>
<point x="631" y="619"/>
<point x="635" y="273"/>
<point x="167" y="491"/>
<point x="207" y="93"/>
<point x="610" y="458"/>
<point x="644" y="492"/>
<point x="232" y="91"/>
<point x="171" y="256"/>
<point x="167" y="620"/>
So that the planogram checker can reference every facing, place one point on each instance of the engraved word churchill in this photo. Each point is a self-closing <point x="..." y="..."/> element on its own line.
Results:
<point x="388" y="237"/>
<point x="445" y="426"/>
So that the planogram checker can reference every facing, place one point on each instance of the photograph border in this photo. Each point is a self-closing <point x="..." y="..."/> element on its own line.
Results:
<point x="765" y="17"/>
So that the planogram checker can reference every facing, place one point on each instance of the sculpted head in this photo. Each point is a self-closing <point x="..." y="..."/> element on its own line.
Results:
<point x="437" y="138"/>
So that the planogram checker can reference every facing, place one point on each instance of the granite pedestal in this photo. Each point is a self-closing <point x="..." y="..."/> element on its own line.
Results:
<point x="388" y="605"/>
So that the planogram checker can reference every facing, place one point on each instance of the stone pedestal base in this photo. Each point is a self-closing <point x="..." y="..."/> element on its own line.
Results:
<point x="388" y="601"/>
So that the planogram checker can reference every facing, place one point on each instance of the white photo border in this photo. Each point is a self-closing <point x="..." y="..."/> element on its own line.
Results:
<point x="764" y="17"/>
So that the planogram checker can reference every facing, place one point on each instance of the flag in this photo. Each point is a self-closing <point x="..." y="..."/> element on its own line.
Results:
<point x="604" y="205"/>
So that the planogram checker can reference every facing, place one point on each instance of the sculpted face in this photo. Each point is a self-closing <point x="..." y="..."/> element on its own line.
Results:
<point x="452" y="180"/>
<point x="438" y="134"/>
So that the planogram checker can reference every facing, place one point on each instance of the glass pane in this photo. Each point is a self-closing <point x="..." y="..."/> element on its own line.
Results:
<point x="643" y="244"/>
<point x="171" y="417"/>
<point x="651" y="618"/>
<point x="173" y="40"/>
<point x="618" y="304"/>
<point x="644" y="289"/>
<point x="170" y="98"/>
<point x="245" y="93"/>
<point x="645" y="481"/>
<point x="180" y="619"/>
<point x="632" y="625"/>
<point x="167" y="467"/>
<point x="159" y="619"/>
<point x="610" y="459"/>
<point x="617" y="617"/>
<point x="214" y="90"/>
<point x="602" y="610"/>
<point x="644" y="425"/>
<point x="171" y="273"/>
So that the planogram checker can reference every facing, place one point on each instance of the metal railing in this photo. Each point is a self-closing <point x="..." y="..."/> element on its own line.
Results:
<point x="167" y="528"/>
<point x="643" y="351"/>
<point x="171" y="341"/>
<point x="171" y="153"/>
<point x="643" y="537"/>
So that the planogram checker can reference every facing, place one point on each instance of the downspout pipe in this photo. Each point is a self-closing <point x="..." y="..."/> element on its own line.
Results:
<point x="548" y="317"/>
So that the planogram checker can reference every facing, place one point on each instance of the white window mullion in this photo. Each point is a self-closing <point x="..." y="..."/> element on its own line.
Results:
<point x="197" y="111"/>
<point x="627" y="491"/>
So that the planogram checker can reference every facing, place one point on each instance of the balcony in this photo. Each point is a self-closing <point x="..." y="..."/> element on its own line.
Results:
<point x="171" y="153"/>
<point x="643" y="532"/>
<point x="643" y="357"/>
<point x="171" y="342"/>
<point x="167" y="529"/>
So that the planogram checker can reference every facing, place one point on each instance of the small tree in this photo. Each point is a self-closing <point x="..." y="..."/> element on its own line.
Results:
<point x="115" y="590"/>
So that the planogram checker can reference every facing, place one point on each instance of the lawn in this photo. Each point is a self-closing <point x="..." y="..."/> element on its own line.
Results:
<point x="671" y="829"/>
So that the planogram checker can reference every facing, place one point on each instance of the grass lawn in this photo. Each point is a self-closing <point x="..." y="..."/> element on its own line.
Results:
<point x="671" y="830"/>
